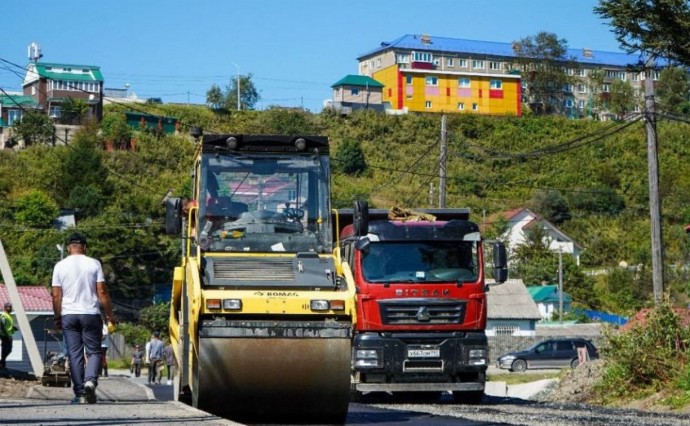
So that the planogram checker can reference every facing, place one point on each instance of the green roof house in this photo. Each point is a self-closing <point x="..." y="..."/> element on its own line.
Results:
<point x="51" y="84"/>
<point x="354" y="92"/>
<point x="12" y="107"/>
<point x="547" y="299"/>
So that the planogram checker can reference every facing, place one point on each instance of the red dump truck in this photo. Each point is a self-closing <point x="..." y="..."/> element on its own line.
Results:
<point x="421" y="300"/>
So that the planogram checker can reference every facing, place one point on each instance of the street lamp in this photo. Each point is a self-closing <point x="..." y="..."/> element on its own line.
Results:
<point x="238" y="86"/>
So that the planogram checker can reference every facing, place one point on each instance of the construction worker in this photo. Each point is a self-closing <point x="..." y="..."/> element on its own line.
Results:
<point x="7" y="329"/>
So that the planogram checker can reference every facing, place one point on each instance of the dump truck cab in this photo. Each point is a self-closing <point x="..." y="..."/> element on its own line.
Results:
<point x="421" y="302"/>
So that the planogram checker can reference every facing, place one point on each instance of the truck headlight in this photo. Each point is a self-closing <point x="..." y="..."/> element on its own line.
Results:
<point x="477" y="357"/>
<point x="232" y="304"/>
<point x="367" y="358"/>
<point x="327" y="305"/>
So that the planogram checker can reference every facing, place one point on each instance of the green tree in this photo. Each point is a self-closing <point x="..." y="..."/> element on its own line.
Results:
<point x="551" y="205"/>
<point x="533" y="261"/>
<point x="35" y="208"/>
<point x="543" y="62"/>
<point x="349" y="158"/>
<point x="653" y="27"/>
<point x="83" y="168"/>
<point x="673" y="90"/>
<point x="116" y="129"/>
<point x="214" y="97"/>
<point x="249" y="95"/>
<point x="622" y="98"/>
<point x="598" y="200"/>
<point x="74" y="110"/>
<point x="34" y="128"/>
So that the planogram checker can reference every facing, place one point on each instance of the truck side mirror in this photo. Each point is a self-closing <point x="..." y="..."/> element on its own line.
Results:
<point x="360" y="218"/>
<point x="173" y="216"/>
<point x="500" y="263"/>
<point x="362" y="244"/>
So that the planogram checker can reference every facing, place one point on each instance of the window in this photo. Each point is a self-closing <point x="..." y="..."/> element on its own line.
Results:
<point x="581" y="88"/>
<point x="355" y="92"/>
<point x="403" y="58"/>
<point x="581" y="104"/>
<point x="655" y="75"/>
<point x="606" y="88"/>
<point x="496" y="84"/>
<point x="408" y="79"/>
<point x="55" y="111"/>
<point x="431" y="80"/>
<point x="505" y="330"/>
<point x="568" y="88"/>
<point x="464" y="82"/>
<point x="378" y="62"/>
<point x="568" y="103"/>
<point x="622" y="76"/>
<point x="478" y="64"/>
<point x="582" y="73"/>
<point x="494" y="65"/>
<point x="423" y="57"/>
<point x="427" y="104"/>
<point x="475" y="107"/>
<point x="437" y="61"/>
<point x="461" y="106"/>
<point x="462" y="63"/>
<point x="13" y="115"/>
<point x="571" y="71"/>
<point x="636" y="77"/>
<point x="449" y="62"/>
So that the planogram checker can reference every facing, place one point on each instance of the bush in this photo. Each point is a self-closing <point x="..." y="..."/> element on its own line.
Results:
<point x="653" y="356"/>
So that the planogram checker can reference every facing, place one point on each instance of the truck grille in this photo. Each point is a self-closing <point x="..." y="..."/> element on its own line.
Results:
<point x="255" y="269"/>
<point x="422" y="311"/>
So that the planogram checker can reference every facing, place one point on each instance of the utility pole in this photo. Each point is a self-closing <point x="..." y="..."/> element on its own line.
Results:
<point x="654" y="196"/>
<point x="239" y="106"/>
<point x="560" y="286"/>
<point x="442" y="167"/>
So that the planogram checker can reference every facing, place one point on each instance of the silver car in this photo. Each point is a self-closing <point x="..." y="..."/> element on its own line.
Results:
<point x="552" y="353"/>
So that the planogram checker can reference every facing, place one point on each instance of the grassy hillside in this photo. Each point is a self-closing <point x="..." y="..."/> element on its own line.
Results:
<point x="597" y="171"/>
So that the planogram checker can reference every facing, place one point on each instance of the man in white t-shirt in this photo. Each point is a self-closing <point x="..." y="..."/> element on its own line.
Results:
<point x="79" y="293"/>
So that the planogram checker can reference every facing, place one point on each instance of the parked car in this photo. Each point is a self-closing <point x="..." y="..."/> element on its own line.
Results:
<point x="551" y="353"/>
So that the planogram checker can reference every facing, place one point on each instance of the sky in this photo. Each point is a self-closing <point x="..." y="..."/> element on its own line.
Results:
<point x="294" y="49"/>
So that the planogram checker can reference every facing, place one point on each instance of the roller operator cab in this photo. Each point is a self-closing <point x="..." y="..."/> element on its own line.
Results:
<point x="421" y="301"/>
<point x="261" y="315"/>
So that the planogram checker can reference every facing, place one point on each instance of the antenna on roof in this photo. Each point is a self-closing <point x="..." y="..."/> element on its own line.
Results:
<point x="34" y="52"/>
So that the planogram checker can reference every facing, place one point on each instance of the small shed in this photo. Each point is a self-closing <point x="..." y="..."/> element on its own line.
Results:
<point x="511" y="310"/>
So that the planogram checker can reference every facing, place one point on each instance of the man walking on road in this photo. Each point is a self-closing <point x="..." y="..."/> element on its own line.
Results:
<point x="156" y="350"/>
<point x="7" y="329"/>
<point x="79" y="291"/>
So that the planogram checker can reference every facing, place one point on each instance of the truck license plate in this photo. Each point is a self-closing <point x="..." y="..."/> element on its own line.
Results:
<point x="423" y="353"/>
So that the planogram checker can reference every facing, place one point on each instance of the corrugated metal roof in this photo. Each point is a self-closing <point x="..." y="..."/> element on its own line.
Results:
<point x="511" y="300"/>
<point x="34" y="298"/>
<point x="492" y="48"/>
<point x="49" y="71"/>
<point x="357" y="80"/>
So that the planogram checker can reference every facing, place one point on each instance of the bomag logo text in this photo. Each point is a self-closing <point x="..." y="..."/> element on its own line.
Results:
<point x="281" y="294"/>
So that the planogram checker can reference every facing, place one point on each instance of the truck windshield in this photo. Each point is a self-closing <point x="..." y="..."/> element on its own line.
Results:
<point x="262" y="203"/>
<point x="434" y="261"/>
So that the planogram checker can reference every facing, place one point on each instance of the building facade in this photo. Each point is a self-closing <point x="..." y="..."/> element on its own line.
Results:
<point x="436" y="74"/>
<point x="51" y="84"/>
<point x="354" y="92"/>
